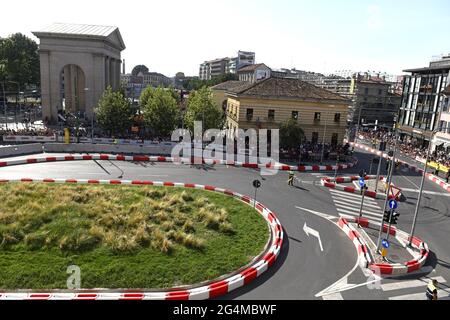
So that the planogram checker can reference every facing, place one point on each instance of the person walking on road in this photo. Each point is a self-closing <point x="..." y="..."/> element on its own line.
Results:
<point x="447" y="176"/>
<point x="432" y="293"/>
<point x="291" y="178"/>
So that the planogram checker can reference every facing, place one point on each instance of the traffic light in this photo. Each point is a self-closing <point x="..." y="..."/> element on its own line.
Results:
<point x="395" y="216"/>
<point x="387" y="216"/>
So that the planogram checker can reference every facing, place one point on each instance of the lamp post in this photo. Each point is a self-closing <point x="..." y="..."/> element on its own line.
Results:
<point x="419" y="199"/>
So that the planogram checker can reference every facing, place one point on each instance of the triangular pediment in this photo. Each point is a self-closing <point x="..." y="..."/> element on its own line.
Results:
<point x="115" y="38"/>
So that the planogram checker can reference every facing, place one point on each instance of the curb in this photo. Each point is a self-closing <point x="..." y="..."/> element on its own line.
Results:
<point x="430" y="177"/>
<point x="333" y="183"/>
<point x="386" y="269"/>
<point x="212" y="290"/>
<point x="194" y="161"/>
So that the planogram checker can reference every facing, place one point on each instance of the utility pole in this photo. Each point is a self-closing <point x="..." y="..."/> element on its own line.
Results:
<point x="323" y="141"/>
<point x="389" y="182"/>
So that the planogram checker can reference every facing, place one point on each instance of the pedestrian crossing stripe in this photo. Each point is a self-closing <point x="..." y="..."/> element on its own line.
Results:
<point x="340" y="200"/>
<point x="356" y="214"/>
<point x="442" y="295"/>
<point x="351" y="195"/>
<point x="357" y="210"/>
<point x="422" y="282"/>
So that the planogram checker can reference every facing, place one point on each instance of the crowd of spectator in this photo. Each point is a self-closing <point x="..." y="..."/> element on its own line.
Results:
<point x="43" y="132"/>
<point x="408" y="147"/>
<point x="307" y="152"/>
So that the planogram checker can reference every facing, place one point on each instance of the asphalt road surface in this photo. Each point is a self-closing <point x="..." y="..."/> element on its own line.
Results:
<point x="302" y="270"/>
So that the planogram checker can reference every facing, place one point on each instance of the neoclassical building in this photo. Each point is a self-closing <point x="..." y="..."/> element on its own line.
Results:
<point x="78" y="62"/>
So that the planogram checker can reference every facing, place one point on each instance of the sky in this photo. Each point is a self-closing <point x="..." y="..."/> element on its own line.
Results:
<point x="169" y="36"/>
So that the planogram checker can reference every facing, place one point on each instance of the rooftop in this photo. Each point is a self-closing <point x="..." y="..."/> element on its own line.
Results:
<point x="252" y="67"/>
<point x="80" y="30"/>
<point x="232" y="84"/>
<point x="286" y="88"/>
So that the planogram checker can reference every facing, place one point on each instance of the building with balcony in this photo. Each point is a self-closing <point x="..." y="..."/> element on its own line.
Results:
<point x="422" y="102"/>
<point x="442" y="138"/>
<point x="218" y="67"/>
<point x="269" y="103"/>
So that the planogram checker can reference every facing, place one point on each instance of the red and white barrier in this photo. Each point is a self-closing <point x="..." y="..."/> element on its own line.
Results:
<point x="430" y="177"/>
<point x="333" y="183"/>
<point x="364" y="257"/>
<point x="384" y="269"/>
<point x="212" y="290"/>
<point x="270" y="166"/>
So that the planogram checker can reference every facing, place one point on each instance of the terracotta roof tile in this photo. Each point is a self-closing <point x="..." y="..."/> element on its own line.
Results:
<point x="287" y="88"/>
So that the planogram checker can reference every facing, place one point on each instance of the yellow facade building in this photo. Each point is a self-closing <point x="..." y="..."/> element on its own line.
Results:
<point x="269" y="103"/>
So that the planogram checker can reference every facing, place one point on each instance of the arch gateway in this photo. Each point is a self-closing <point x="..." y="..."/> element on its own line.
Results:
<point x="78" y="62"/>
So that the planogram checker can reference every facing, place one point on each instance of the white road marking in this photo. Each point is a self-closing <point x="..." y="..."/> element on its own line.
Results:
<point x="409" y="180"/>
<point x="422" y="282"/>
<point x="356" y="214"/>
<point x="315" y="233"/>
<point x="442" y="295"/>
<point x="339" y="200"/>
<point x="444" y="194"/>
<point x="350" y="195"/>
<point x="333" y="296"/>
<point x="347" y="207"/>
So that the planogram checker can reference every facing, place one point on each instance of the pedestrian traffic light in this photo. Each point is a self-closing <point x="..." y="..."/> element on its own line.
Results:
<point x="387" y="216"/>
<point x="395" y="216"/>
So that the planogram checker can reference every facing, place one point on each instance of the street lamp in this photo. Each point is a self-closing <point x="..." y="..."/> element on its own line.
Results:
<point x="416" y="212"/>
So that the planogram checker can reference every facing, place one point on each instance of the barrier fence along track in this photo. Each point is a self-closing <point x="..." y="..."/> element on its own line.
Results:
<point x="430" y="177"/>
<point x="212" y="290"/>
<point x="367" y="261"/>
<point x="334" y="183"/>
<point x="271" y="166"/>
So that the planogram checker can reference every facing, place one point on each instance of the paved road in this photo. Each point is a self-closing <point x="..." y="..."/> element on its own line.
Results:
<point x="303" y="269"/>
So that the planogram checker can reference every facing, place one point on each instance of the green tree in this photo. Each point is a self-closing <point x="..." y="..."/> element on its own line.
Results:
<point x="20" y="60"/>
<point x="146" y="95"/>
<point x="202" y="107"/>
<point x="161" y="112"/>
<point x="291" y="134"/>
<point x="114" y="112"/>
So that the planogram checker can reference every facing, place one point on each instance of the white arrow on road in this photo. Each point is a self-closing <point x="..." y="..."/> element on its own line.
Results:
<point x="314" y="233"/>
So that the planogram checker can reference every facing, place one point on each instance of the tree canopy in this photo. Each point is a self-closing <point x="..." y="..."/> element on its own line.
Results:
<point x="202" y="107"/>
<point x="19" y="61"/>
<point x="291" y="134"/>
<point x="114" y="112"/>
<point x="196" y="84"/>
<point x="161" y="112"/>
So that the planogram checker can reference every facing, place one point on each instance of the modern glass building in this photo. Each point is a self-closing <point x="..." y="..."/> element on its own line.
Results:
<point x="422" y="101"/>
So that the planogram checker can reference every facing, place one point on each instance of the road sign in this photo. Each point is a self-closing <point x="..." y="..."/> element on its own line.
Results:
<point x="257" y="184"/>
<point x="385" y="244"/>
<point x="362" y="183"/>
<point x="393" y="204"/>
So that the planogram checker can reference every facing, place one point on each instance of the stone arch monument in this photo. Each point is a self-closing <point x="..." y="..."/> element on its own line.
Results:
<point x="78" y="62"/>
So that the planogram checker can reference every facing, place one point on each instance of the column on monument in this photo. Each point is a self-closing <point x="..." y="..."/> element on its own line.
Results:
<point x="107" y="72"/>
<point x="46" y="85"/>
<point x="112" y="74"/>
<point x="68" y="101"/>
<point x="118" y="65"/>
